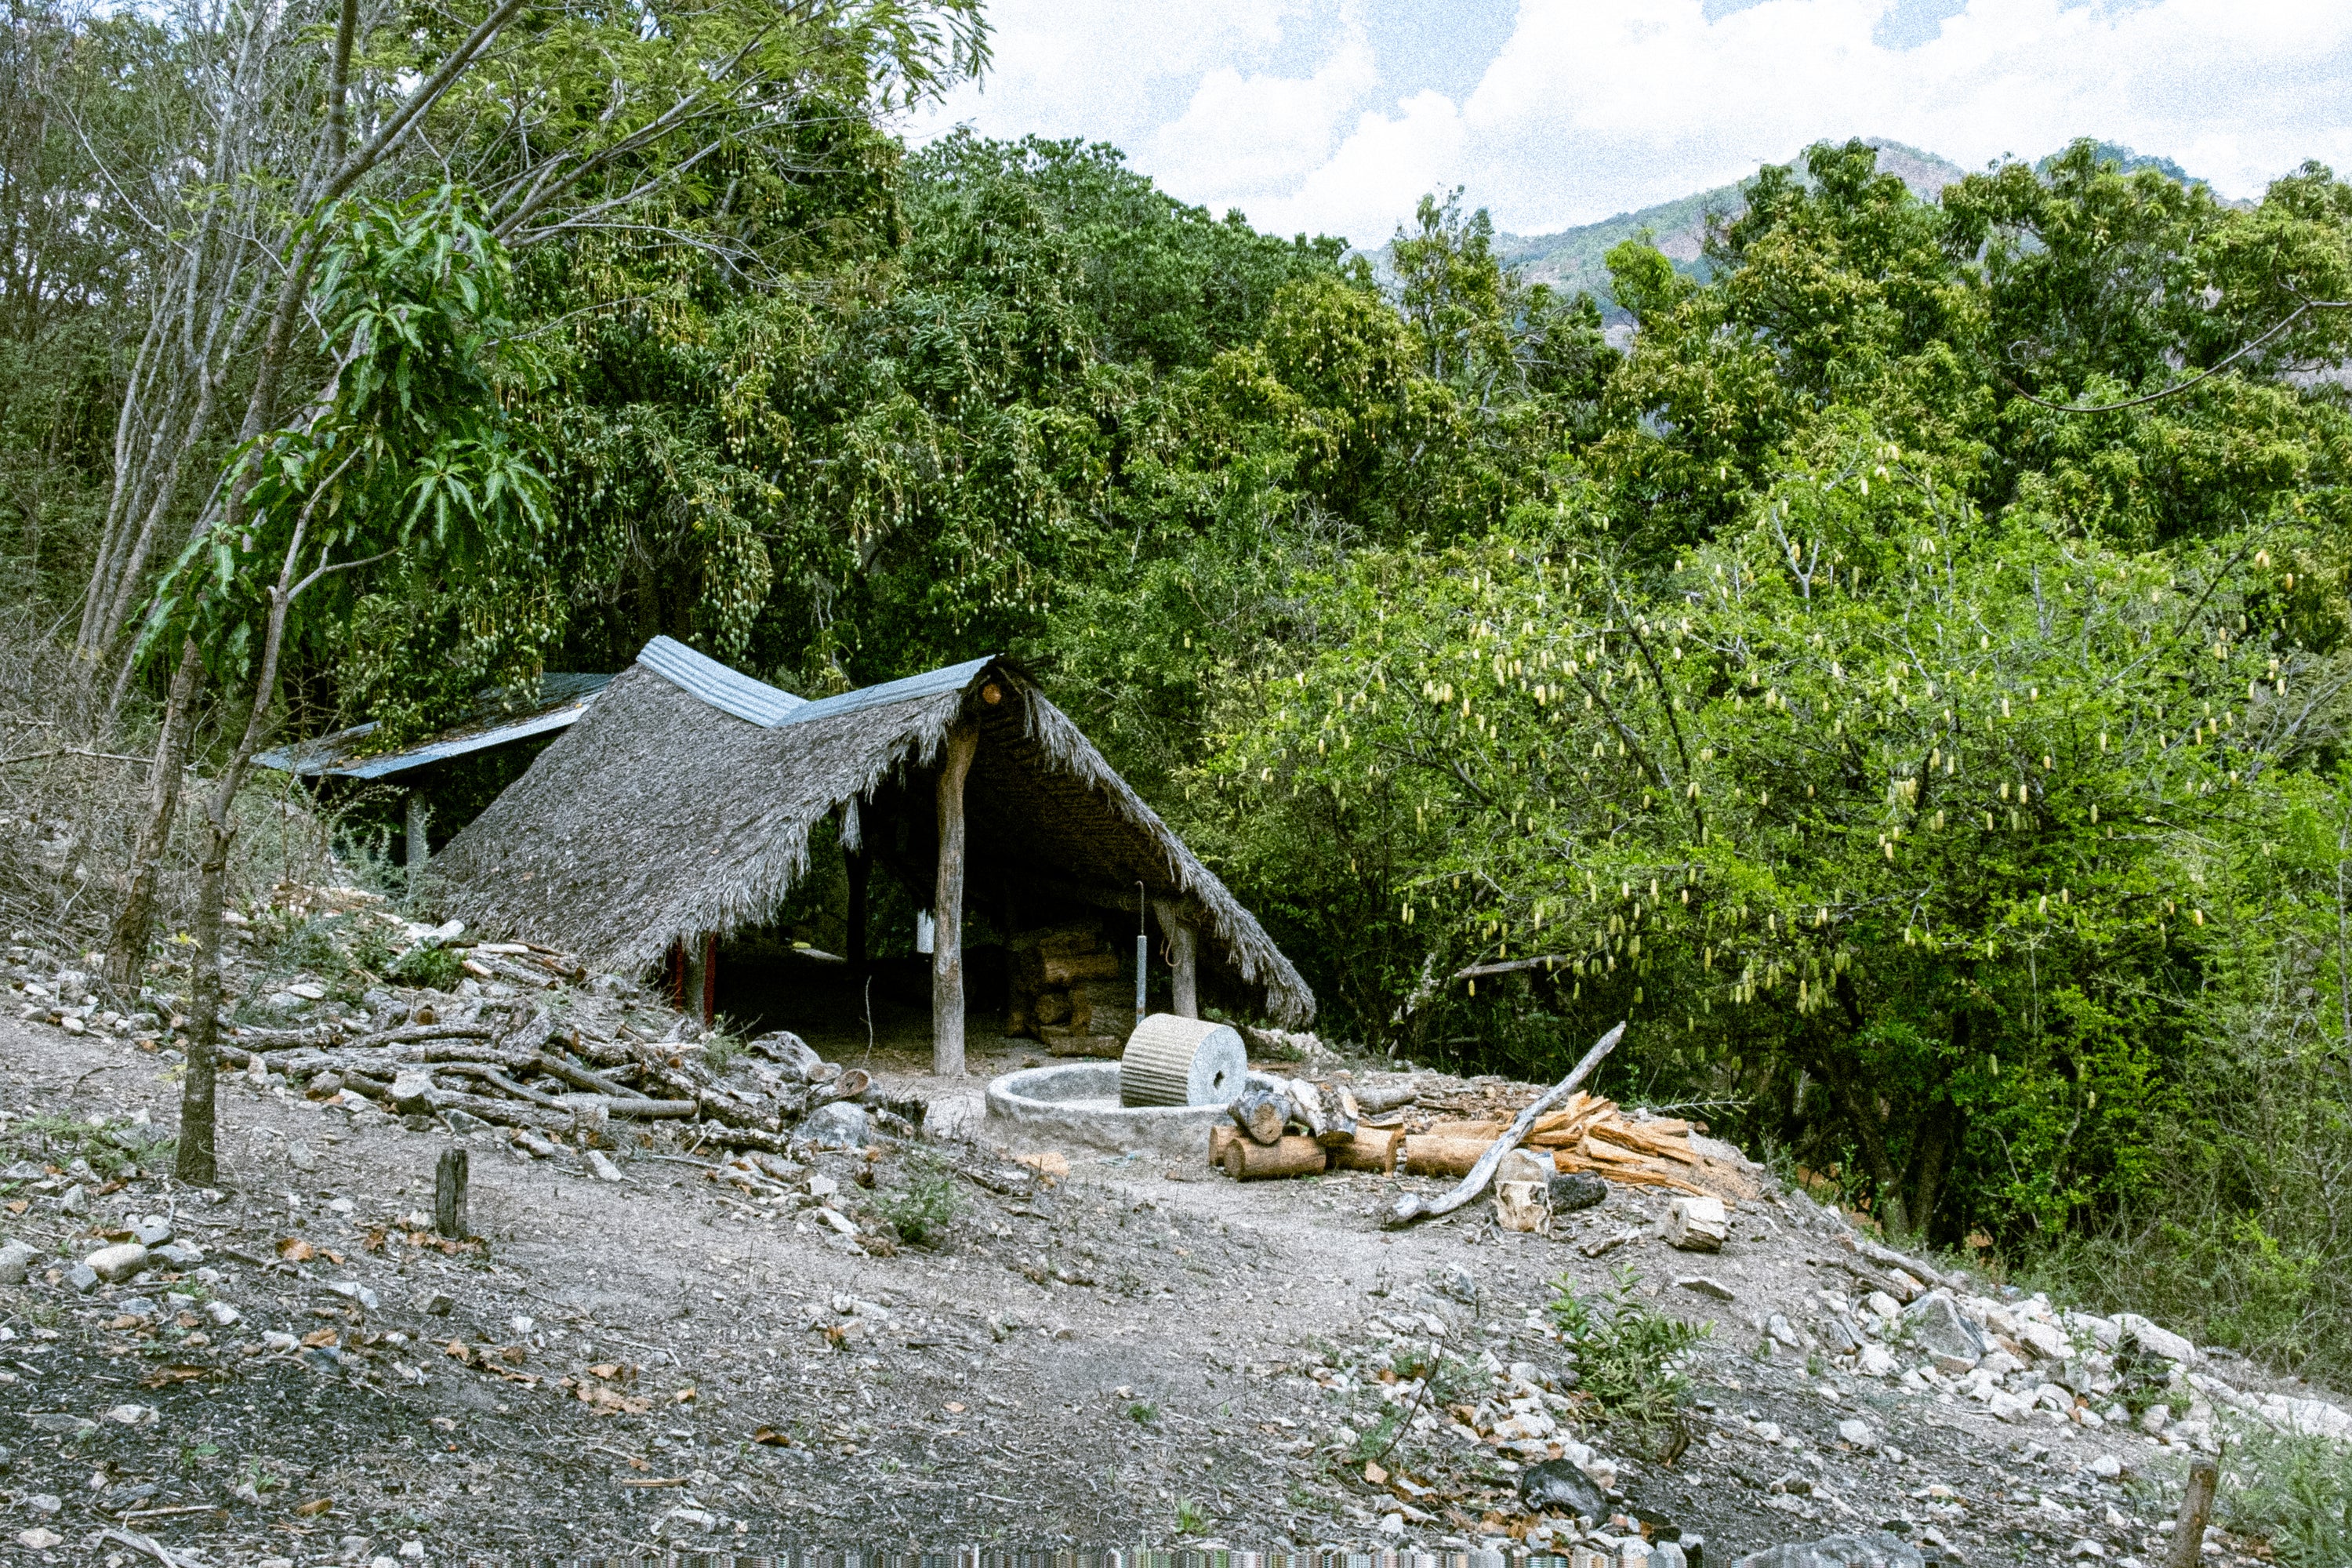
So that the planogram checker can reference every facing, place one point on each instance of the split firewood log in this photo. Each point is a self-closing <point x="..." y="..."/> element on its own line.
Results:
<point x="1246" y="1161"/>
<point x="1339" y="1121"/>
<point x="1261" y="1112"/>
<point x="1307" y="1108"/>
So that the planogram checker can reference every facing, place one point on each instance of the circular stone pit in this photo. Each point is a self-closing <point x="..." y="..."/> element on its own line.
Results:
<point x="1077" y="1102"/>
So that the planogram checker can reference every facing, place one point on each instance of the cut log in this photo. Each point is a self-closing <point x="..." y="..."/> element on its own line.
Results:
<point x="1220" y="1135"/>
<point x="1261" y="1112"/>
<point x="1307" y="1108"/>
<point x="1248" y="1162"/>
<point x="1697" y="1225"/>
<point x="1426" y="1154"/>
<point x="1394" y="1097"/>
<point x="1522" y="1206"/>
<point x="1371" y="1149"/>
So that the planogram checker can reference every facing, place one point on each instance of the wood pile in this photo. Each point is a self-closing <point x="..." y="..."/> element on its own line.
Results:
<point x="1065" y="991"/>
<point x="524" y="1064"/>
<point x="1586" y="1134"/>
<point x="1419" y="1130"/>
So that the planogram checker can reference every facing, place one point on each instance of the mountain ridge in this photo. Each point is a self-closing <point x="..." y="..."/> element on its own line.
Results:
<point x="1573" y="260"/>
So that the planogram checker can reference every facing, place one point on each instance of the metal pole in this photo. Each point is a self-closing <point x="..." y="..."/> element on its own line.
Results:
<point x="1142" y="950"/>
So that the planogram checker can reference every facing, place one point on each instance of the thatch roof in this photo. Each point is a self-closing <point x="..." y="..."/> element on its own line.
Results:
<point x="683" y="802"/>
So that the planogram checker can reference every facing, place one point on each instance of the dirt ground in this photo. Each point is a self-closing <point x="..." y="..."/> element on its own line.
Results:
<point x="1132" y="1353"/>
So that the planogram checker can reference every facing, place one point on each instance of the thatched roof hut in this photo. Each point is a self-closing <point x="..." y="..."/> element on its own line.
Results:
<point x="683" y="804"/>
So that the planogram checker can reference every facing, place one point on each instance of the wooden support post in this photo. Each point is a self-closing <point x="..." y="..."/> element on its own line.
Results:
<point x="419" y="847"/>
<point x="1184" y="958"/>
<point x="859" y="865"/>
<point x="690" y="974"/>
<point x="946" y="906"/>
<point x="449" y="1195"/>
<point x="1184" y="945"/>
<point x="710" y="997"/>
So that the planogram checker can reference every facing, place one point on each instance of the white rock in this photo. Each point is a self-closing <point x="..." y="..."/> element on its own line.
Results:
<point x="2312" y="1417"/>
<point x="2162" y="1342"/>
<point x="603" y="1166"/>
<point x="2008" y="1406"/>
<point x="1701" y="1284"/>
<point x="131" y="1414"/>
<point x="352" y="1290"/>
<point x="117" y="1263"/>
<point x="2107" y="1467"/>
<point x="1882" y="1305"/>
<point x="1875" y="1361"/>
<point x="16" y="1262"/>
<point x="221" y="1313"/>
<point x="2044" y="1340"/>
<point x="1857" y="1433"/>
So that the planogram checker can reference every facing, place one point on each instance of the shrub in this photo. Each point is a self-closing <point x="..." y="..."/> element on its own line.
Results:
<point x="435" y="968"/>
<point x="1629" y="1356"/>
<point x="922" y="1207"/>
<point x="2294" y="1493"/>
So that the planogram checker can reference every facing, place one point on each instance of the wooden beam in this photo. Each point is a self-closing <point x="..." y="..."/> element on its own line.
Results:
<point x="946" y="906"/>
<point x="419" y="847"/>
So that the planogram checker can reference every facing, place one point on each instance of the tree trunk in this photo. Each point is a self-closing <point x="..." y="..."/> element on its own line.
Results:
<point x="134" y="923"/>
<point x="194" y="1166"/>
<point x="1931" y="1156"/>
<point x="946" y="940"/>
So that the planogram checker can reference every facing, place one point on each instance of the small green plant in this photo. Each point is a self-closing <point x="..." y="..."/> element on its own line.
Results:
<point x="722" y="1049"/>
<point x="1142" y="1414"/>
<point x="1192" y="1519"/>
<point x="2295" y="1493"/>
<point x="2141" y="1381"/>
<point x="922" y="1207"/>
<point x="1629" y="1356"/>
<point x="434" y="968"/>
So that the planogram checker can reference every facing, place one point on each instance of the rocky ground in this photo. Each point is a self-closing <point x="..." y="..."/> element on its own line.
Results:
<point x="642" y="1353"/>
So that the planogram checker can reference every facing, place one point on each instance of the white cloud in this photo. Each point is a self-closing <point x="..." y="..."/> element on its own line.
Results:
<point x="1595" y="106"/>
<point x="1248" y="137"/>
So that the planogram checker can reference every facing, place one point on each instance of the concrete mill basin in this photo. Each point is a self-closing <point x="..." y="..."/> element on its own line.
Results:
<point x="1077" y="1103"/>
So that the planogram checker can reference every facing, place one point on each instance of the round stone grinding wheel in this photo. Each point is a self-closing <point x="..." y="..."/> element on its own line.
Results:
<point x="1181" y="1061"/>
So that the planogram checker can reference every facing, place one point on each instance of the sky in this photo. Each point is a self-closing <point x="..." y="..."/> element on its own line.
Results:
<point x="1334" y="116"/>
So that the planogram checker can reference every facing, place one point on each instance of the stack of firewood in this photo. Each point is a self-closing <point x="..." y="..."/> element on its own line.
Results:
<point x="1065" y="991"/>
<point x="1302" y="1128"/>
<point x="1586" y="1134"/>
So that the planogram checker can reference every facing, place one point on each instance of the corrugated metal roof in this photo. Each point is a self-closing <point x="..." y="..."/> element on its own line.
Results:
<point x="728" y="690"/>
<point x="563" y="698"/>
<point x="930" y="683"/>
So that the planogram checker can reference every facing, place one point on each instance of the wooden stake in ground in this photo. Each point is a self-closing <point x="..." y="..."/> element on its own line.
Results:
<point x="449" y="1194"/>
<point x="1414" y="1206"/>
<point x="2196" y="1507"/>
<point x="947" y="929"/>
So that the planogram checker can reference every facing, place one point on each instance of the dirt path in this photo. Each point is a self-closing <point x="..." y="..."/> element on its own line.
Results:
<point x="1131" y="1353"/>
